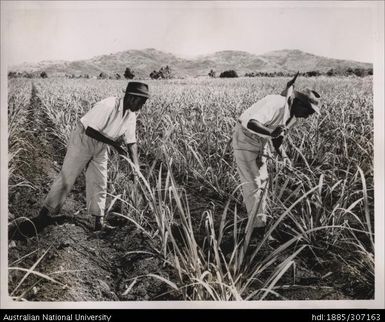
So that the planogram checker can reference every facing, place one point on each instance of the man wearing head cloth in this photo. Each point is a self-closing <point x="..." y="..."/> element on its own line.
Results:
<point x="102" y="126"/>
<point x="264" y="124"/>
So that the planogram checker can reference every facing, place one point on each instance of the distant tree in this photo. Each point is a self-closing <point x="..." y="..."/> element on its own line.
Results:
<point x="102" y="75"/>
<point x="43" y="75"/>
<point x="349" y="71"/>
<point x="154" y="75"/>
<point x="128" y="74"/>
<point x="163" y="73"/>
<point x="117" y="76"/>
<point x="26" y="75"/>
<point x="312" y="73"/>
<point x="330" y="72"/>
<point x="228" y="74"/>
<point x="166" y="73"/>
<point x="359" y="72"/>
<point x="12" y="74"/>
<point x="370" y="71"/>
<point x="212" y="73"/>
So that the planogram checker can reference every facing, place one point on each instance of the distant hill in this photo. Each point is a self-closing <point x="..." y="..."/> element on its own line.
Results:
<point x="298" y="60"/>
<point x="143" y="62"/>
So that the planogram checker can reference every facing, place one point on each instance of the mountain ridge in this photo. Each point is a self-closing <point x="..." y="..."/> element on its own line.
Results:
<point x="144" y="61"/>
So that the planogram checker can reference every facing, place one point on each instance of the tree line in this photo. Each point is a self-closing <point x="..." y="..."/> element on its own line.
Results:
<point x="167" y="73"/>
<point x="163" y="73"/>
<point x="359" y="72"/>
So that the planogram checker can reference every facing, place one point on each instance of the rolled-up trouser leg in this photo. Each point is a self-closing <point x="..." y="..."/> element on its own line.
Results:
<point x="96" y="183"/>
<point x="75" y="160"/>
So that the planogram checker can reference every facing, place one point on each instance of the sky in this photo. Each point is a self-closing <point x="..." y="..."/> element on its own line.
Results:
<point x="33" y="31"/>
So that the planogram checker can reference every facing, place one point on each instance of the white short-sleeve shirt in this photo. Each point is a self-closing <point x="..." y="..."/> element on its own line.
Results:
<point x="269" y="111"/>
<point x="107" y="117"/>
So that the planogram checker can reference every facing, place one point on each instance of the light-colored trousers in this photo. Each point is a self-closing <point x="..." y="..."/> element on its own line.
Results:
<point x="82" y="152"/>
<point x="251" y="158"/>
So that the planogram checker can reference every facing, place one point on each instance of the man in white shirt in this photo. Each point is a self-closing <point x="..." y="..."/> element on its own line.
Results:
<point x="99" y="128"/>
<point x="266" y="120"/>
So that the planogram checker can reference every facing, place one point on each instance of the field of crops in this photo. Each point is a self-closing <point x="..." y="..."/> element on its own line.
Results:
<point x="186" y="216"/>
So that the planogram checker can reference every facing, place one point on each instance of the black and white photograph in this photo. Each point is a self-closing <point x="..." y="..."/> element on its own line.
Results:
<point x="192" y="154"/>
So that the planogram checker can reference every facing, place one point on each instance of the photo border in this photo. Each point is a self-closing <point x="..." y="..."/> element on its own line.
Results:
<point x="379" y="120"/>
